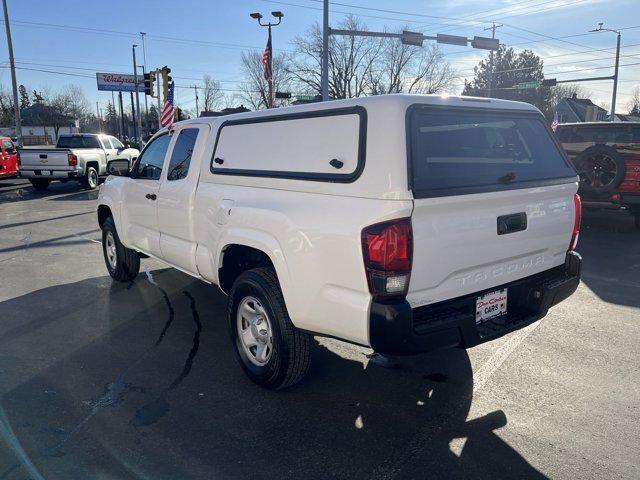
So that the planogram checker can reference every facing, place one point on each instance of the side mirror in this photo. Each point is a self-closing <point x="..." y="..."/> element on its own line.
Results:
<point x="119" y="168"/>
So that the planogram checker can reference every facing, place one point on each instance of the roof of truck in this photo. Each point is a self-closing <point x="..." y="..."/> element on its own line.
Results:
<point x="379" y="101"/>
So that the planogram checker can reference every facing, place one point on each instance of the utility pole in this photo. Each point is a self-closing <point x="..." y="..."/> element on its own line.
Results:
<point x="99" y="116"/>
<point x="195" y="89"/>
<point x="490" y="80"/>
<point x="258" y="16"/>
<point x="137" y="118"/>
<point x="133" y="119"/>
<point x="615" y="73"/>
<point x="121" y="124"/>
<point x="14" y="82"/>
<point x="325" y="51"/>
<point x="144" y="68"/>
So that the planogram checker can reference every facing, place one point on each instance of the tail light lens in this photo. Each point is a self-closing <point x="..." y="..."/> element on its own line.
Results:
<point x="387" y="249"/>
<point x="73" y="159"/>
<point x="576" y="222"/>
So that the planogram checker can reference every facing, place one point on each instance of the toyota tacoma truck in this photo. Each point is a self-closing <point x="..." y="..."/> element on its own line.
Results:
<point x="82" y="157"/>
<point x="404" y="223"/>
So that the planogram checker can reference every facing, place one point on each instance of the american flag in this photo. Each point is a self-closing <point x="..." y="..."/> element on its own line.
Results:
<point x="266" y="60"/>
<point x="168" y="113"/>
<point x="554" y="124"/>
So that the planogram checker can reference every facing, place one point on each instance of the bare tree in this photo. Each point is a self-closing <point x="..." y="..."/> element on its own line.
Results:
<point x="634" y="103"/>
<point x="254" y="89"/>
<point x="350" y="60"/>
<point x="212" y="94"/>
<point x="410" y="69"/>
<point x="368" y="66"/>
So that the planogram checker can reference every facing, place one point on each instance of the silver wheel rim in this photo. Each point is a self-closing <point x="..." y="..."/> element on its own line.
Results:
<point x="110" y="250"/>
<point x="93" y="178"/>
<point x="254" y="331"/>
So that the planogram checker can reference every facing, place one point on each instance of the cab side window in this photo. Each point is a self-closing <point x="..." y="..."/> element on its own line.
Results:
<point x="150" y="161"/>
<point x="117" y="144"/>
<point x="106" y="143"/>
<point x="181" y="155"/>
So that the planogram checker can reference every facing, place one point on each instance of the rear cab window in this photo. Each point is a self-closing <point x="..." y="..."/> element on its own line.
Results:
<point x="458" y="151"/>
<point x="78" y="141"/>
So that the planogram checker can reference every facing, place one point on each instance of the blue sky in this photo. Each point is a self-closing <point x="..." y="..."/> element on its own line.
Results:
<point x="210" y="35"/>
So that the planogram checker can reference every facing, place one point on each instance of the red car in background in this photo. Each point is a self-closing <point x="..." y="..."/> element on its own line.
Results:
<point x="607" y="159"/>
<point x="9" y="158"/>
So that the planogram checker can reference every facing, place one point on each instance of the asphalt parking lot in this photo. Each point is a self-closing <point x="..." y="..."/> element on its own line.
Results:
<point x="106" y="380"/>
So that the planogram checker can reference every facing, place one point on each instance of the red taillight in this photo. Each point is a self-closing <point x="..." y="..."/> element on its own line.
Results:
<point x="387" y="249"/>
<point x="576" y="222"/>
<point x="73" y="159"/>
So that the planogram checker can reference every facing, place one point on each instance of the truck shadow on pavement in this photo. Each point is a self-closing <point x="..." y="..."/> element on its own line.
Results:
<point x="140" y="381"/>
<point x="610" y="246"/>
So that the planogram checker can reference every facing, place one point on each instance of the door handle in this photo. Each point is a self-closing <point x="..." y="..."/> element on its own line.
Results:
<point x="151" y="196"/>
<point x="515" y="222"/>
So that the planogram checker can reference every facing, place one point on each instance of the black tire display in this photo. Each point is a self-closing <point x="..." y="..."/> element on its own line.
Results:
<point x="601" y="169"/>
<point x="122" y="263"/>
<point x="40" y="185"/>
<point x="91" y="179"/>
<point x="277" y="355"/>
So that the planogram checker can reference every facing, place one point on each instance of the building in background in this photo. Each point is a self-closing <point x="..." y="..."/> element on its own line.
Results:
<point x="574" y="109"/>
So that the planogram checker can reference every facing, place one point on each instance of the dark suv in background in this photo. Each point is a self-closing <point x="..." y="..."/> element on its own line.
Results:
<point x="607" y="158"/>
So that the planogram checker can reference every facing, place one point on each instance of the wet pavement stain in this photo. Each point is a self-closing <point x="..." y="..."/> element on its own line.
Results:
<point x="153" y="411"/>
<point x="116" y="391"/>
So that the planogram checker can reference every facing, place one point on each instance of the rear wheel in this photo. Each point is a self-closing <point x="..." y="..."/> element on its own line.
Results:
<point x="39" y="184"/>
<point x="91" y="179"/>
<point x="122" y="263"/>
<point x="271" y="351"/>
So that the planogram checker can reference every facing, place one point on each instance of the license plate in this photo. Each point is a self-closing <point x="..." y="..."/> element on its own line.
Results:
<point x="491" y="305"/>
<point x="45" y="173"/>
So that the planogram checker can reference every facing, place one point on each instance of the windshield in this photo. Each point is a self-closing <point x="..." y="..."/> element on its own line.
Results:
<point x="467" y="151"/>
<point x="78" y="141"/>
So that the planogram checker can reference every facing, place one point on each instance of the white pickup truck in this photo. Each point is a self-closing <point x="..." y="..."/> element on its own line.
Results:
<point x="82" y="157"/>
<point x="402" y="222"/>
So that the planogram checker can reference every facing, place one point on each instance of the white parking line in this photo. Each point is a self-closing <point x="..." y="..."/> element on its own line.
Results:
<point x="488" y="368"/>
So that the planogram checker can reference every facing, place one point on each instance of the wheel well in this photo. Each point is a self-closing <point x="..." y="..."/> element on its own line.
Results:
<point x="237" y="259"/>
<point x="96" y="165"/>
<point x="104" y="212"/>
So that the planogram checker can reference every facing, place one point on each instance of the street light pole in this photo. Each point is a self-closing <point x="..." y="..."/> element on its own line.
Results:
<point x="14" y="82"/>
<point x="138" y="118"/>
<point x="258" y="16"/>
<point x="615" y="73"/>
<point x="325" y="51"/>
<point x="144" y="71"/>
<point x="490" y="80"/>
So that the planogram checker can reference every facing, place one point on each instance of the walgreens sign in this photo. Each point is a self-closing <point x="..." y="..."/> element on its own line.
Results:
<point x="119" y="82"/>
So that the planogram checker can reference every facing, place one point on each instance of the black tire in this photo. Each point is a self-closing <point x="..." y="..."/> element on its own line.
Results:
<point x="40" y="185"/>
<point x="126" y="265"/>
<point x="601" y="169"/>
<point x="290" y="355"/>
<point x="91" y="179"/>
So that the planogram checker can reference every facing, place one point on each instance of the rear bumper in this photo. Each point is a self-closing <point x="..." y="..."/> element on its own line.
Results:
<point x="397" y="329"/>
<point x="49" y="174"/>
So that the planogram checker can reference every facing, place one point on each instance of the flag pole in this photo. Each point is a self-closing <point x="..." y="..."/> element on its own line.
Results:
<point x="271" y="69"/>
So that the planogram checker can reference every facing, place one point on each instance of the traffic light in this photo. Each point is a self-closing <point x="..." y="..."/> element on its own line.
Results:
<point x="283" y="95"/>
<point x="165" y="71"/>
<point x="149" y="82"/>
<point x="549" y="82"/>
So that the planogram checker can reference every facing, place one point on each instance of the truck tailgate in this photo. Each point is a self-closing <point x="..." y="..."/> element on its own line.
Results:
<point x="458" y="249"/>
<point x="493" y="200"/>
<point x="46" y="158"/>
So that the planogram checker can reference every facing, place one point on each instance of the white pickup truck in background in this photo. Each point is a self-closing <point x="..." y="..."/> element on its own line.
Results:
<point x="401" y="222"/>
<point x="82" y="157"/>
